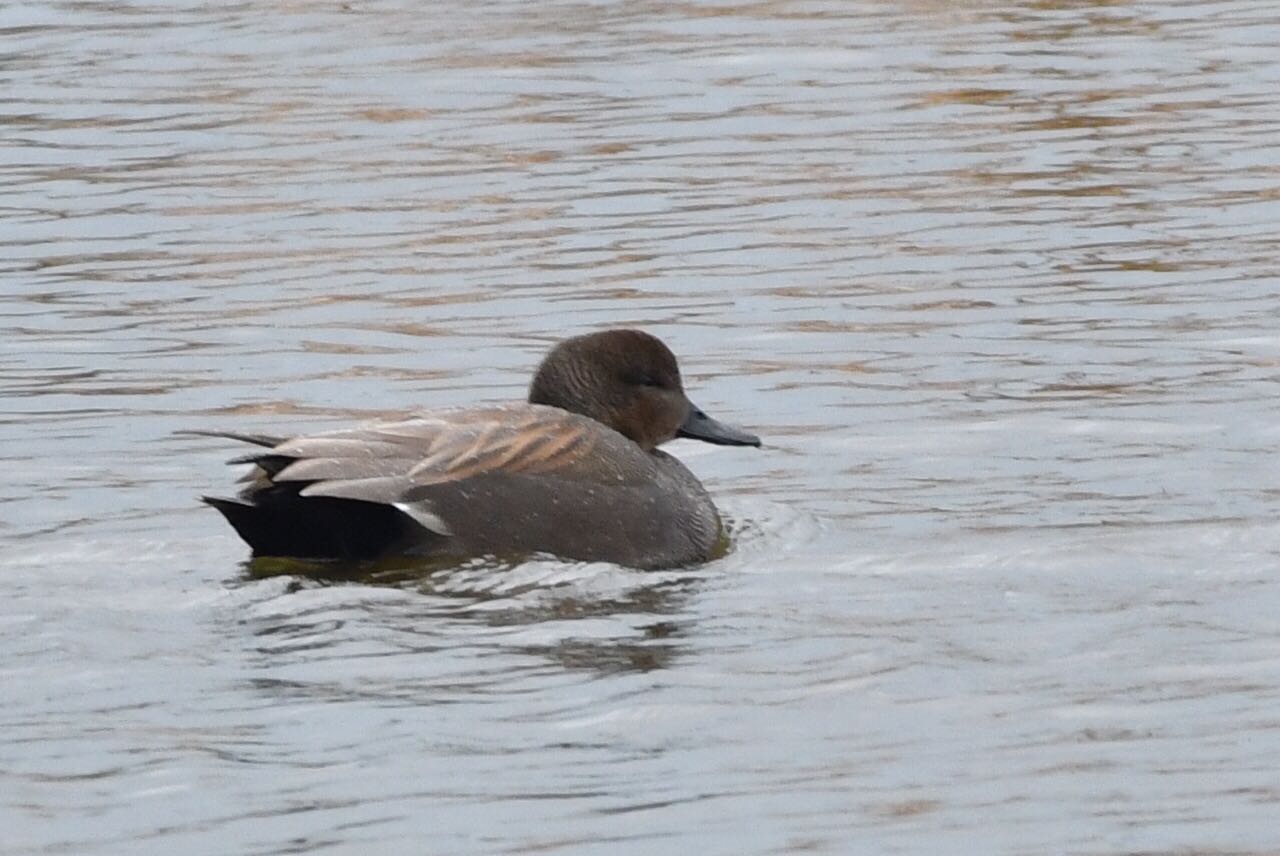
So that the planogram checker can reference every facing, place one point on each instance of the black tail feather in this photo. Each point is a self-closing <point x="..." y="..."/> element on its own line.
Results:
<point x="254" y="439"/>
<point x="279" y="522"/>
<point x="273" y="464"/>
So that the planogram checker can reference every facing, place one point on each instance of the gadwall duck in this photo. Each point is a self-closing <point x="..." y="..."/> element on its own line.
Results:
<point x="574" y="472"/>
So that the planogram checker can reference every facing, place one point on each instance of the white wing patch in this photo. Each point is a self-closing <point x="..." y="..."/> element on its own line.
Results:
<point x="419" y="512"/>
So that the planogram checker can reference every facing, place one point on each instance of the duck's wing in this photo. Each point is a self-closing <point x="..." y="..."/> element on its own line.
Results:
<point x="381" y="462"/>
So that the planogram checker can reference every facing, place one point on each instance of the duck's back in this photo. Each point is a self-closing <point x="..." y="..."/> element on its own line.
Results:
<point x="516" y="479"/>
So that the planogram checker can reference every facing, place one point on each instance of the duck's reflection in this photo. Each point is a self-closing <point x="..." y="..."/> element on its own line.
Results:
<point x="430" y="633"/>
<point x="645" y="654"/>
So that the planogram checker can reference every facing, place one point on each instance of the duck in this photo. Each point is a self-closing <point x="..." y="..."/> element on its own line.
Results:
<point x="575" y="471"/>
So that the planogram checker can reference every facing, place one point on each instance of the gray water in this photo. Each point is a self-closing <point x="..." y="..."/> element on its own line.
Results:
<point x="997" y="283"/>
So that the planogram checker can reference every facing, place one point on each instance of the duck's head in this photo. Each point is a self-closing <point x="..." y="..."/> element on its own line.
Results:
<point x="630" y="381"/>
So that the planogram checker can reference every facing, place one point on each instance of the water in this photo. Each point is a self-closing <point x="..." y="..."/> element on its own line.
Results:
<point x="997" y="284"/>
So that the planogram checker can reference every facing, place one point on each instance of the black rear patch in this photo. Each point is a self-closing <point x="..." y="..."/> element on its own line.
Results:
<point x="278" y="521"/>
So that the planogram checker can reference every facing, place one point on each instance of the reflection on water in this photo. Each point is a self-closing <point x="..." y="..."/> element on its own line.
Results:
<point x="996" y="283"/>
<point x="579" y="616"/>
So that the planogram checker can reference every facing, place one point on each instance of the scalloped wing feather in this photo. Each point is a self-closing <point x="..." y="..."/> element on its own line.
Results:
<point x="381" y="461"/>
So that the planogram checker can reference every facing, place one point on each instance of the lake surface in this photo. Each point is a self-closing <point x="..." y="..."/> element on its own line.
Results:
<point x="998" y="283"/>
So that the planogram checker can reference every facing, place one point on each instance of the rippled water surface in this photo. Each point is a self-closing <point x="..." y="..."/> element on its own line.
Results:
<point x="997" y="282"/>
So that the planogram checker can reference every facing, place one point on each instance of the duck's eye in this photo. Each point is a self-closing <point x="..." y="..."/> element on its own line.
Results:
<point x="640" y="379"/>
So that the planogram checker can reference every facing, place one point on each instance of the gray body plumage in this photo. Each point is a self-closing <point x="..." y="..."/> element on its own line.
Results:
<point x="509" y="480"/>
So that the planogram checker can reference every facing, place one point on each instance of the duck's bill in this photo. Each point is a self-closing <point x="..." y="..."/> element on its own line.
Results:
<point x="699" y="426"/>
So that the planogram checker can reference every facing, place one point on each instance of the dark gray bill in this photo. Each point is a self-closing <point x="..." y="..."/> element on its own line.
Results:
<point x="699" y="426"/>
